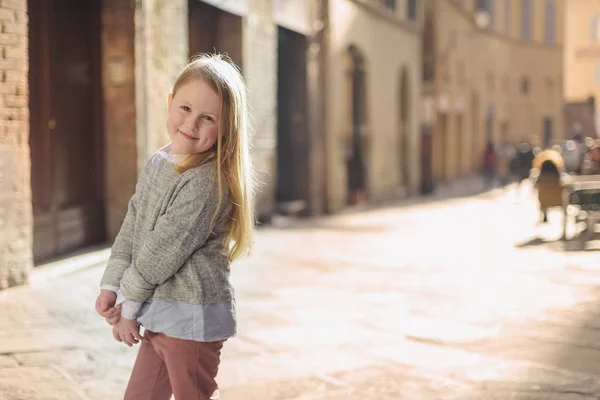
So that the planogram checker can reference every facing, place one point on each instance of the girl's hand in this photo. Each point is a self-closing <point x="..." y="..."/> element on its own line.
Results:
<point x="113" y="315"/>
<point x="127" y="331"/>
<point x="105" y="303"/>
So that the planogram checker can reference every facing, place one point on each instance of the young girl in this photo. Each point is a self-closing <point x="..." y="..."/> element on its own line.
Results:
<point x="190" y="217"/>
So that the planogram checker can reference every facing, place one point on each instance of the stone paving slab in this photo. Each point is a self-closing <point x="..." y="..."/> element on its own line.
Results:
<point x="43" y="383"/>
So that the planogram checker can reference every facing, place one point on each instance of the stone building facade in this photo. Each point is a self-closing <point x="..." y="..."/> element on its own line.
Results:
<point x="582" y="67"/>
<point x="373" y="106"/>
<point x="497" y="74"/>
<point x="99" y="73"/>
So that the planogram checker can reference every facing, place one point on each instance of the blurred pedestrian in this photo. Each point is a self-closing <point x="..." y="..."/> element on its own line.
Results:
<point x="550" y="180"/>
<point x="190" y="217"/>
<point x="522" y="162"/>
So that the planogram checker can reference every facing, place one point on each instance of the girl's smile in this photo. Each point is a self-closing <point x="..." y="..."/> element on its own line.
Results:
<point x="189" y="137"/>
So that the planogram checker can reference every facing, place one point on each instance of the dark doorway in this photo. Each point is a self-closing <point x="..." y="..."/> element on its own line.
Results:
<point x="65" y="122"/>
<point x="476" y="143"/>
<point x="442" y="144"/>
<point x="489" y="123"/>
<point x="356" y="163"/>
<point x="427" y="180"/>
<point x="548" y="127"/>
<point x="212" y="30"/>
<point x="292" y="135"/>
<point x="404" y="130"/>
<point x="460" y="146"/>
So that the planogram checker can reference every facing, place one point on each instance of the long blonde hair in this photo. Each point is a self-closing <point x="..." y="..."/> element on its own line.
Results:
<point x="232" y="150"/>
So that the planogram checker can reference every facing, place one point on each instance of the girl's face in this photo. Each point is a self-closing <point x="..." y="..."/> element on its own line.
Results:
<point x="193" y="118"/>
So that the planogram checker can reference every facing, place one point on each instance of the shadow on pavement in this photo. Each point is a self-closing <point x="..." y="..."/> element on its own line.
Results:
<point x="536" y="241"/>
<point x="561" y="244"/>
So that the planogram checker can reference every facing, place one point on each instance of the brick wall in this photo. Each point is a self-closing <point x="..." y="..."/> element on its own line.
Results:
<point x="15" y="192"/>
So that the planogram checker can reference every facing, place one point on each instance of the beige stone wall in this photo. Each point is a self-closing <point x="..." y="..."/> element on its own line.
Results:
<point x="15" y="191"/>
<point x="259" y="54"/>
<point x="582" y="52"/>
<point x="389" y="45"/>
<point x="542" y="66"/>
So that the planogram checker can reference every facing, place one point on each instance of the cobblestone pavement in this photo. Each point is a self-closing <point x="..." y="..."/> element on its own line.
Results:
<point x="463" y="299"/>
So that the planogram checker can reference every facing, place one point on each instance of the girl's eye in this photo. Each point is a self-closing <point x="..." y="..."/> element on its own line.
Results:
<point x="186" y="108"/>
<point x="207" y="117"/>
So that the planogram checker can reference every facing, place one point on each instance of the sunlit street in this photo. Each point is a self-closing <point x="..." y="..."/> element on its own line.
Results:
<point x="449" y="299"/>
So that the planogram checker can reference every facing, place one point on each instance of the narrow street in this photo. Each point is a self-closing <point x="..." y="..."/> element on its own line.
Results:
<point x="467" y="298"/>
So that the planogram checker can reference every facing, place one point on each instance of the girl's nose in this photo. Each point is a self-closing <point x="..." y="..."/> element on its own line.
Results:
<point x="192" y="124"/>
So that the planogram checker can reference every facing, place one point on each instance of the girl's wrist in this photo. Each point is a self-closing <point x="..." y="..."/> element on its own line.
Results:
<point x="130" y="309"/>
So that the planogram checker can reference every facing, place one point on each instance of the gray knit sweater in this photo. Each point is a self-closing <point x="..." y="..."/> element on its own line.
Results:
<point x="165" y="250"/>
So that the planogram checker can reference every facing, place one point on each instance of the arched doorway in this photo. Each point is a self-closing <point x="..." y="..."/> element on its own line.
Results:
<point x="356" y="123"/>
<point x="404" y="108"/>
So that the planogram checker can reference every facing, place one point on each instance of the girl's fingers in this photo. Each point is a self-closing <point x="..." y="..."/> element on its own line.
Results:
<point x="115" y="311"/>
<point x="111" y="312"/>
<point x="124" y="339"/>
<point x="116" y="335"/>
<point x="137" y="335"/>
<point x="131" y="339"/>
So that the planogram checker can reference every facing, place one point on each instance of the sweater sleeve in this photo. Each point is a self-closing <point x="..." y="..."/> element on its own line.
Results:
<point x="178" y="233"/>
<point x="121" y="251"/>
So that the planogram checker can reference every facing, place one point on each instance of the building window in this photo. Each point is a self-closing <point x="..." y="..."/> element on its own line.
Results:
<point x="594" y="26"/>
<point x="507" y="17"/>
<point x="490" y="7"/>
<point x="411" y="10"/>
<point x="550" y="27"/>
<point x="389" y="4"/>
<point x="526" y="19"/>
<point x="525" y="86"/>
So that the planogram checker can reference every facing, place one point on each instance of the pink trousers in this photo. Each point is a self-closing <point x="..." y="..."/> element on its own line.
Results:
<point x="167" y="366"/>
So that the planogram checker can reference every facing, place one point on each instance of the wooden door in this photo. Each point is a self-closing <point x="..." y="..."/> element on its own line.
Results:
<point x="65" y="139"/>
